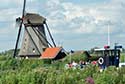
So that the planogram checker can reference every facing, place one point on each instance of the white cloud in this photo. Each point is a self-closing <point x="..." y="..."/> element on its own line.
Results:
<point x="95" y="16"/>
<point x="11" y="1"/>
<point x="7" y="15"/>
<point x="67" y="19"/>
<point x="17" y="2"/>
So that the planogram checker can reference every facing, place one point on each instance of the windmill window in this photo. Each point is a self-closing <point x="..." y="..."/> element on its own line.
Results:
<point x="24" y="49"/>
<point x="25" y="39"/>
<point x="33" y="50"/>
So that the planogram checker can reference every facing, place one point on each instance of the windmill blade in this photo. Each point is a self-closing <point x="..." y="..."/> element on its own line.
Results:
<point x="50" y="35"/>
<point x="19" y="31"/>
<point x="24" y="6"/>
<point x="41" y="35"/>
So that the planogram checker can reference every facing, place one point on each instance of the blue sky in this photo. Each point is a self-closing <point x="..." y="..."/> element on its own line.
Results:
<point x="75" y="24"/>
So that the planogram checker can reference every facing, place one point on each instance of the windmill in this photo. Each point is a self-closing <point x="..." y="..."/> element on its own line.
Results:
<point x="34" y="40"/>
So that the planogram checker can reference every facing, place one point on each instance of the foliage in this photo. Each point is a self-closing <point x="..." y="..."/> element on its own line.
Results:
<point x="37" y="71"/>
<point x="122" y="58"/>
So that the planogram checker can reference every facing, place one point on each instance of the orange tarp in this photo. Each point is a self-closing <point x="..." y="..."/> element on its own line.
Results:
<point x="50" y="53"/>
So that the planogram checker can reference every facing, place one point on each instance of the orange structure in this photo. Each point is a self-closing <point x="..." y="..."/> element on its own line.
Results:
<point x="53" y="53"/>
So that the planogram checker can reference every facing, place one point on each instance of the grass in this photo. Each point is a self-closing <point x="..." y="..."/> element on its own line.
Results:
<point x="36" y="71"/>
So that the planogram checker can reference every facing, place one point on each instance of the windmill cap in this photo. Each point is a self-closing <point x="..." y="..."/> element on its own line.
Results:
<point x="35" y="19"/>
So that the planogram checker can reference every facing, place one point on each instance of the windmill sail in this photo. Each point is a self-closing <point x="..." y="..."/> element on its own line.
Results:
<point x="34" y="39"/>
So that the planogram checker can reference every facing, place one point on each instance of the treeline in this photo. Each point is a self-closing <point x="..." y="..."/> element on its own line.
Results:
<point x="7" y="53"/>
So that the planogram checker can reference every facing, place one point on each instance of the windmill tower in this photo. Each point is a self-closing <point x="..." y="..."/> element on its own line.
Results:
<point x="34" y="39"/>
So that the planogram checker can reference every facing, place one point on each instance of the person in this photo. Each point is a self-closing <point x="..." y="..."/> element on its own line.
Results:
<point x="81" y="63"/>
<point x="74" y="64"/>
<point x="70" y="65"/>
<point x="94" y="62"/>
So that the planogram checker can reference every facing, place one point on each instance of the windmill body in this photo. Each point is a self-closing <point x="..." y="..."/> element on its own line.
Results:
<point x="34" y="40"/>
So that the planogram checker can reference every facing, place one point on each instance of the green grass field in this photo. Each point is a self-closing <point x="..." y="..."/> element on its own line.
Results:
<point x="36" y="71"/>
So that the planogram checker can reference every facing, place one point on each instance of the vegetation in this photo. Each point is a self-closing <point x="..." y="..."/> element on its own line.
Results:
<point x="36" y="71"/>
<point x="122" y="58"/>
